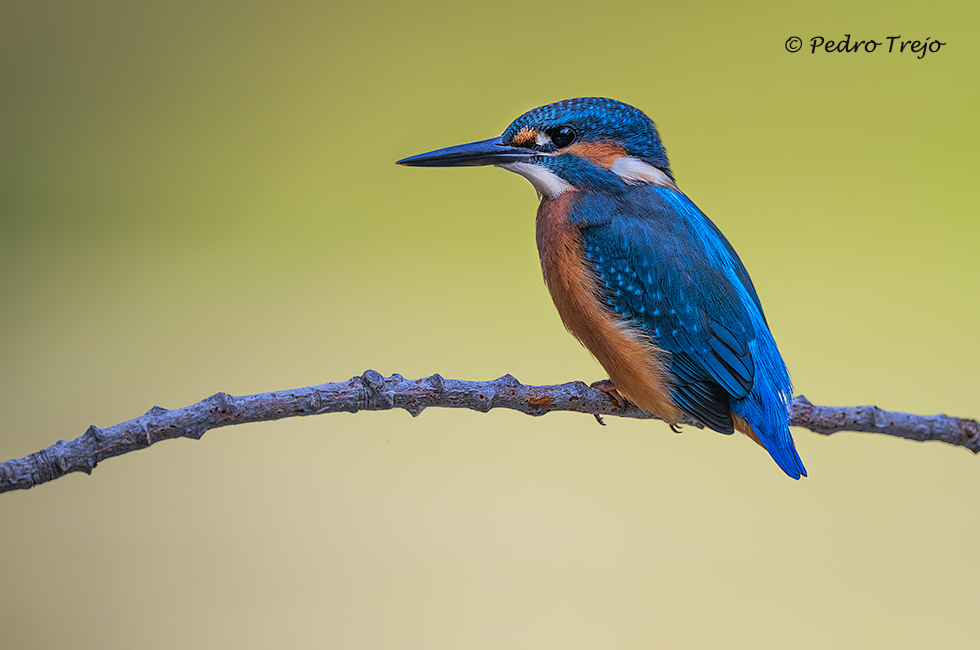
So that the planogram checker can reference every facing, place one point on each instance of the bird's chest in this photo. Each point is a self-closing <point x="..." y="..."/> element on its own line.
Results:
<point x="560" y="248"/>
<point x="633" y="363"/>
<point x="571" y="280"/>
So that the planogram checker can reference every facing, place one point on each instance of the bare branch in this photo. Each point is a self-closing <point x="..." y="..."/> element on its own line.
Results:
<point x="373" y="392"/>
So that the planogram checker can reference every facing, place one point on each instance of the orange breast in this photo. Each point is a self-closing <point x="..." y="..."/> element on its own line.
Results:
<point x="635" y="365"/>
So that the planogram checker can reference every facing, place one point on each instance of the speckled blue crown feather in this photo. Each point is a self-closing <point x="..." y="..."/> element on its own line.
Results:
<point x="599" y="118"/>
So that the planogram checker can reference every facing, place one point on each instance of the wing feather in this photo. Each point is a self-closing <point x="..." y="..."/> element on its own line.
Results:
<point x="656" y="273"/>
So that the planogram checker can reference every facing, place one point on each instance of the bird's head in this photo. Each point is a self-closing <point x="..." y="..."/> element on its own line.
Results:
<point x="590" y="144"/>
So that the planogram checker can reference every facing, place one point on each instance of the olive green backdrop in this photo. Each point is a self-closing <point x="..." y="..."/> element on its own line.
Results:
<point x="199" y="197"/>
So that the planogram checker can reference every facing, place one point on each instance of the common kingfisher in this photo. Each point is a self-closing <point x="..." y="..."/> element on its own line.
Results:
<point x="639" y="274"/>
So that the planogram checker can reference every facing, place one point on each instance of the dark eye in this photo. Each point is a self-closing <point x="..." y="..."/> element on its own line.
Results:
<point x="562" y="136"/>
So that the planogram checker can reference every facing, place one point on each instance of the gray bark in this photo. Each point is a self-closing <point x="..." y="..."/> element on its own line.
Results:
<point x="373" y="392"/>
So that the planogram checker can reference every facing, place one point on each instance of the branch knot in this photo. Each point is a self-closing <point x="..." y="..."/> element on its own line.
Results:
<point x="376" y="397"/>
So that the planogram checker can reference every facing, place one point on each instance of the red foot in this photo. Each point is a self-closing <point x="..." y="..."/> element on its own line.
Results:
<point x="609" y="388"/>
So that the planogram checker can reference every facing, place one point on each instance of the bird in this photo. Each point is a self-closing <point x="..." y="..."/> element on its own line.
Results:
<point x="639" y="274"/>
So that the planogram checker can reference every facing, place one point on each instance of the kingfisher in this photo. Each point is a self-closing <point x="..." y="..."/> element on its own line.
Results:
<point x="639" y="274"/>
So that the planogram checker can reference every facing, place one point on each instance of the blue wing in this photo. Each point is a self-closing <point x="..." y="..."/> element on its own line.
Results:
<point x="666" y="268"/>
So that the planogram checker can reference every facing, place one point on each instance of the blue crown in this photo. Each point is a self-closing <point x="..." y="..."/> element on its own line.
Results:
<point x="597" y="119"/>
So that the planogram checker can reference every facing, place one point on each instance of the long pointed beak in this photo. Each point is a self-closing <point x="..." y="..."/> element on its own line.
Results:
<point x="484" y="152"/>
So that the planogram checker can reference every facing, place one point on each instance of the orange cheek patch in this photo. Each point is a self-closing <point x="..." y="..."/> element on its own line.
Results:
<point x="603" y="154"/>
<point x="525" y="137"/>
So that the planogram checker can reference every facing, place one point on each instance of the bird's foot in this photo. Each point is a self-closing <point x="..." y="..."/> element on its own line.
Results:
<point x="676" y="428"/>
<point x="609" y="388"/>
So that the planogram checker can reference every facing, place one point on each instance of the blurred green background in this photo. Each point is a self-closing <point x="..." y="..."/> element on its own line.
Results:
<point x="201" y="196"/>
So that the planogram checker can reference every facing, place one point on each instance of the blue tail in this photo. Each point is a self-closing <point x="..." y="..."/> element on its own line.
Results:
<point x="766" y="407"/>
<point x="772" y="428"/>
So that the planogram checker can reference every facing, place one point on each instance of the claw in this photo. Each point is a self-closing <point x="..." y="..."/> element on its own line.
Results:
<point x="676" y="428"/>
<point x="609" y="388"/>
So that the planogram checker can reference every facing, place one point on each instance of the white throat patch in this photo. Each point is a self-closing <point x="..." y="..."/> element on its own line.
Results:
<point x="546" y="182"/>
<point x="635" y="171"/>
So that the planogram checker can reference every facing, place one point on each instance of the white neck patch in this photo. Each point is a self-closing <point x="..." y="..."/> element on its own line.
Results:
<point x="635" y="171"/>
<point x="546" y="182"/>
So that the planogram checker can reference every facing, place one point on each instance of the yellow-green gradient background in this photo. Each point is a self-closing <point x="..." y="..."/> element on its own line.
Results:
<point x="201" y="197"/>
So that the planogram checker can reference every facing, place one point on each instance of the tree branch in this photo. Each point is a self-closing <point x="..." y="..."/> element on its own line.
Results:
<point x="373" y="392"/>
